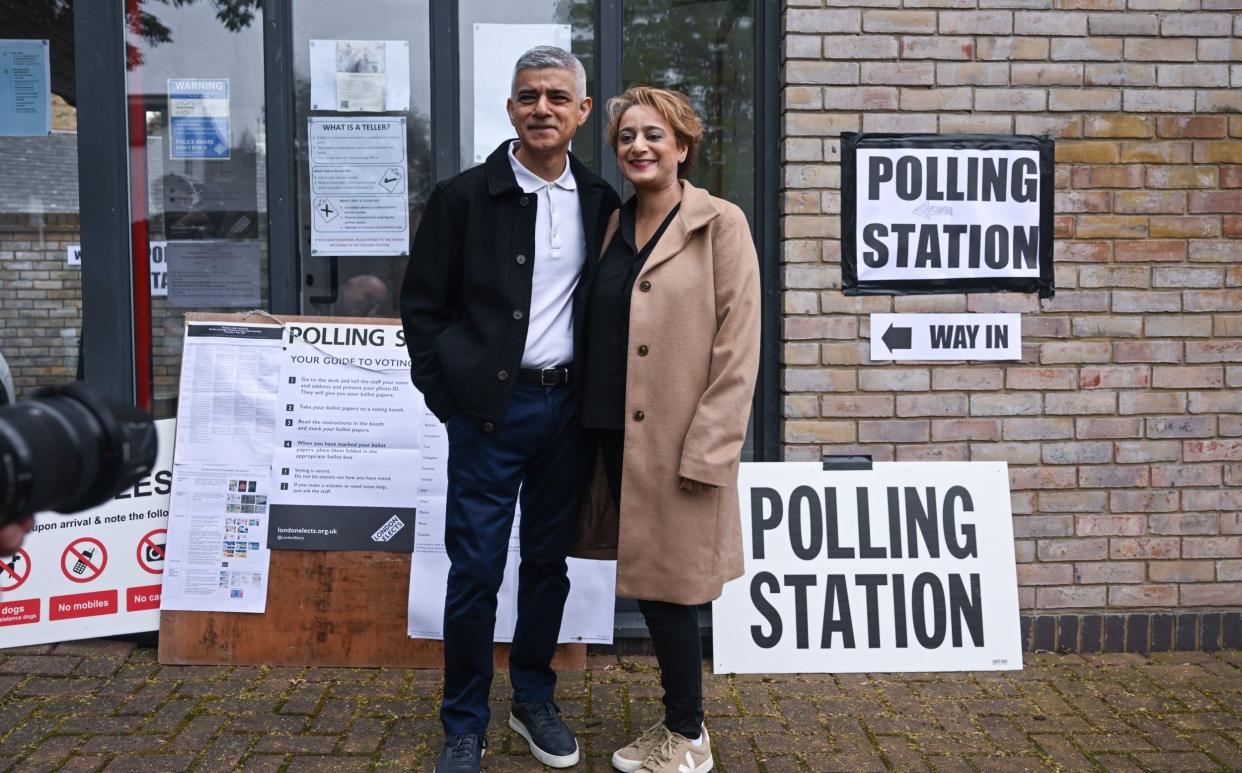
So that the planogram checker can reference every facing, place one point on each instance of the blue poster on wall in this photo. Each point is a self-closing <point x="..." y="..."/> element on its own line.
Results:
<point x="198" y="117"/>
<point x="25" y="88"/>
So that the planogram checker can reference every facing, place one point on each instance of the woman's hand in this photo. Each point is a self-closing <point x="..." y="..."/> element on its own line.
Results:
<point x="695" y="486"/>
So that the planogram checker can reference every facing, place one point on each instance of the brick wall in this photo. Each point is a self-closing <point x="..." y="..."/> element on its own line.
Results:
<point x="40" y="299"/>
<point x="1122" y="424"/>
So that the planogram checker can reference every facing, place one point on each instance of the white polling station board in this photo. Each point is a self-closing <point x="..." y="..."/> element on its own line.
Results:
<point x="94" y="573"/>
<point x="902" y="567"/>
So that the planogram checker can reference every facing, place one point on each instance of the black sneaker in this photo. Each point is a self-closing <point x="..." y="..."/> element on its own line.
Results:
<point x="550" y="739"/>
<point x="461" y="754"/>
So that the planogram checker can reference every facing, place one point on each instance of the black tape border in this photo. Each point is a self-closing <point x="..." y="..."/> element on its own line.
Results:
<point x="850" y="143"/>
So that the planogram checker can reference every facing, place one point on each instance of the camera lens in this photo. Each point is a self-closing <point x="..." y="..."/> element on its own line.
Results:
<point x="67" y="449"/>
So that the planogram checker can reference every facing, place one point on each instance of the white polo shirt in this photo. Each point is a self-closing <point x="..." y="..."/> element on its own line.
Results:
<point x="560" y="251"/>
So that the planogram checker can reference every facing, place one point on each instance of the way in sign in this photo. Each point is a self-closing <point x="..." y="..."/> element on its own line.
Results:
<point x="967" y="336"/>
<point x="946" y="337"/>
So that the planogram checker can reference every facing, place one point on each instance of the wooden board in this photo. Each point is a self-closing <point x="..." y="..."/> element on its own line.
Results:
<point x="324" y="608"/>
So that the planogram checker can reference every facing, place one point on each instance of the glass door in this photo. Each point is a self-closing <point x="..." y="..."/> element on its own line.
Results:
<point x="362" y="116"/>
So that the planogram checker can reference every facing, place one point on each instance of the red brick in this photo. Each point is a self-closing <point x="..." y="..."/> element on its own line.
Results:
<point x="1214" y="351"/>
<point x="1045" y="574"/>
<point x="853" y="406"/>
<point x="1228" y="202"/>
<point x="1134" y="451"/>
<point x="1150" y="250"/>
<point x="1038" y="429"/>
<point x="1095" y="428"/>
<point x="1144" y="547"/>
<point x="1199" y="126"/>
<point x="1110" y="525"/>
<point x="1097" y="572"/>
<point x="1085" y="452"/>
<point x="1175" y="475"/>
<point x="1221" y="594"/>
<point x="1212" y="450"/>
<point x="1070" y="597"/>
<point x="1142" y="596"/>
<point x="1197" y="226"/>
<point x="1211" y="547"/>
<point x="1147" y="351"/>
<point x="1107" y="176"/>
<point x="1039" y="478"/>
<point x="1072" y="501"/>
<point x="1150" y="501"/>
<point x="1114" y="377"/>
<point x="965" y="429"/>
<point x="1198" y="377"/>
<point x="1130" y="403"/>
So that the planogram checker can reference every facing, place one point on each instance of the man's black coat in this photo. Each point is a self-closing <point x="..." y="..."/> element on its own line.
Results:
<point x="465" y="301"/>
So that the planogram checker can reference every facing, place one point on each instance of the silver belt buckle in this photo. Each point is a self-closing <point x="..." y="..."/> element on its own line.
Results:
<point x="547" y="377"/>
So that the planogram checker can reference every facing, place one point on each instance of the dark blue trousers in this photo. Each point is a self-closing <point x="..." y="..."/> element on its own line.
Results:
<point x="541" y="449"/>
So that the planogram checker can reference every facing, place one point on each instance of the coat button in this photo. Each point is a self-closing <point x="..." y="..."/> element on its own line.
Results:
<point x="639" y="415"/>
<point x="488" y="426"/>
<point x="517" y="314"/>
<point x="644" y="286"/>
<point x="642" y="350"/>
<point x="521" y="260"/>
<point x="503" y="375"/>
<point x="525" y="200"/>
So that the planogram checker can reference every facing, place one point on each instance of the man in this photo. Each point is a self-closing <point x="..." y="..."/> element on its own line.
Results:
<point x="492" y="326"/>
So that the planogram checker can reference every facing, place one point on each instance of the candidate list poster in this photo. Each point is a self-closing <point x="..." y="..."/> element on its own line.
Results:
<point x="925" y="213"/>
<point x="903" y="567"/>
<point x="94" y="573"/>
<point x="358" y="186"/>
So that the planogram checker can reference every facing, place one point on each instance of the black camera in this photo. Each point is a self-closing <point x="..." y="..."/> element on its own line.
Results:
<point x="67" y="448"/>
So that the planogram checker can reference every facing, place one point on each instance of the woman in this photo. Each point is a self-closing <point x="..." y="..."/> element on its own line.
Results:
<point x="672" y="333"/>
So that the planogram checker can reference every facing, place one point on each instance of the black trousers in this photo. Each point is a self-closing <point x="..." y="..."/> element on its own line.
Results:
<point x="674" y="627"/>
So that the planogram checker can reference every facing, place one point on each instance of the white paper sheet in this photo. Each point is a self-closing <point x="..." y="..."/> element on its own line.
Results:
<point x="496" y="48"/>
<point x="213" y="274"/>
<point x="360" y="75"/>
<point x="217" y="556"/>
<point x="588" y="614"/>
<point x="229" y="376"/>
<point x="349" y="419"/>
<point x="358" y="195"/>
<point x="25" y="88"/>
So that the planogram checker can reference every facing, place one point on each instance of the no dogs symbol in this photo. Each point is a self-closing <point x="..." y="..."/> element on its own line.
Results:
<point x="84" y="559"/>
<point x="14" y="570"/>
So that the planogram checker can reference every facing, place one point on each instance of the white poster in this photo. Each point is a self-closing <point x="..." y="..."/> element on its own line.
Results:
<point x="25" y="88"/>
<point x="360" y="75"/>
<point x="496" y="49"/>
<point x="903" y="567"/>
<point x="358" y="187"/>
<point x="927" y="213"/>
<point x="158" y="260"/>
<point x="199" y="118"/>
<point x="94" y="573"/>
<point x="946" y="337"/>
<point x="218" y="274"/>
<point x="346" y="440"/>
<point x="589" y="609"/>
<point x="217" y="528"/>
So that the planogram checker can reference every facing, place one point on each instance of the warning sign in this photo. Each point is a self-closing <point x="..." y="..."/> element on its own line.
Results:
<point x="151" y="551"/>
<point x="84" y="559"/>
<point x="94" y="573"/>
<point x="14" y="570"/>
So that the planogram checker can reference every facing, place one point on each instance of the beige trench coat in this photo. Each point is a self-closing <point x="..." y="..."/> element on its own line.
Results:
<point x="695" y="309"/>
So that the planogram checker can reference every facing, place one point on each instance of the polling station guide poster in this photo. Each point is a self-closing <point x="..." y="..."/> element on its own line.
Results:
<point x="946" y="213"/>
<point x="308" y="435"/>
<point x="93" y="573"/>
<point x="901" y="567"/>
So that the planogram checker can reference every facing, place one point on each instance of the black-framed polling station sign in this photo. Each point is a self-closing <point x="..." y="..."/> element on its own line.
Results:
<point x="946" y="213"/>
<point x="903" y="566"/>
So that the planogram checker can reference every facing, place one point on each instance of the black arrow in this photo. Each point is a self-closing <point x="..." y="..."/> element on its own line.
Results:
<point x="897" y="337"/>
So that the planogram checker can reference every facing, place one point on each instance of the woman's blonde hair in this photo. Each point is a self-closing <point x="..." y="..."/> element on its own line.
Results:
<point x="672" y="106"/>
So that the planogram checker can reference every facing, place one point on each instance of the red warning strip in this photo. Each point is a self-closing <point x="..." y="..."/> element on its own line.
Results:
<point x="82" y="605"/>
<point x="19" y="612"/>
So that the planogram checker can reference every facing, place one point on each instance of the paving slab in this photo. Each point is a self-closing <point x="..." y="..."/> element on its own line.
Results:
<point x="107" y="705"/>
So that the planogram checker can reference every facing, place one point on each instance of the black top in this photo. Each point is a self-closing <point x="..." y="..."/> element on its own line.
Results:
<point x="608" y="321"/>
<point x="465" y="301"/>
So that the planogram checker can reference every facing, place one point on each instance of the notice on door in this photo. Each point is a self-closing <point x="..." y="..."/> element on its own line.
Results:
<point x="25" y="88"/>
<point x="358" y="195"/>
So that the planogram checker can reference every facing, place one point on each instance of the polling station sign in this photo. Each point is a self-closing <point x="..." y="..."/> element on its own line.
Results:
<point x="899" y="567"/>
<point x="94" y="573"/>
<point x="942" y="213"/>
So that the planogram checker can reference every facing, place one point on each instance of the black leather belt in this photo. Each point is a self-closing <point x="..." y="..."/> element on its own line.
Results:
<point x="545" y="377"/>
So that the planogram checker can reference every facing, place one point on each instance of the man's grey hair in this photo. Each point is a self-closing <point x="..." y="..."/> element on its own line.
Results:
<point x="543" y="57"/>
